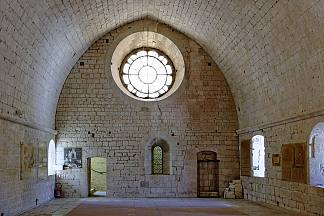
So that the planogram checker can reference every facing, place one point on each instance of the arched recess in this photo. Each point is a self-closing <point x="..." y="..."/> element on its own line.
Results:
<point x="153" y="160"/>
<point x="150" y="141"/>
<point x="316" y="156"/>
<point x="258" y="156"/>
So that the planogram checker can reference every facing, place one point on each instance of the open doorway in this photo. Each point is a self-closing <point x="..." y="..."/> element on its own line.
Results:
<point x="97" y="176"/>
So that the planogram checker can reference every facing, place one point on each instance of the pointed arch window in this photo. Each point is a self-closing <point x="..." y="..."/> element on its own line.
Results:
<point x="157" y="160"/>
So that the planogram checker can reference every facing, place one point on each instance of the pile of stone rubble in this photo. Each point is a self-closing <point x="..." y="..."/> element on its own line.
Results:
<point x="234" y="191"/>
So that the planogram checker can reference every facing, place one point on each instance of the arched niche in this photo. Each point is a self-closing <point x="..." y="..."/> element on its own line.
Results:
<point x="166" y="160"/>
<point x="316" y="156"/>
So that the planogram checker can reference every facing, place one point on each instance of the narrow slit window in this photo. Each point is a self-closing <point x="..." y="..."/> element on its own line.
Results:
<point x="157" y="160"/>
<point x="258" y="163"/>
<point x="51" y="158"/>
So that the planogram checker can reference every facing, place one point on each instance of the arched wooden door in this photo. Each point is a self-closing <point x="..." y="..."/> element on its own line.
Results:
<point x="208" y="174"/>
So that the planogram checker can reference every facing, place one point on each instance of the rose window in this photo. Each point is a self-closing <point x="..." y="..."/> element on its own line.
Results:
<point x="147" y="73"/>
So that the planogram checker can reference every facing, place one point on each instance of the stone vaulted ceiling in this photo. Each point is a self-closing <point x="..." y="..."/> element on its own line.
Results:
<point x="270" y="51"/>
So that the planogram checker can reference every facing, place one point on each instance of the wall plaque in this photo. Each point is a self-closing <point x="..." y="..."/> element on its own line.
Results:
<point x="276" y="160"/>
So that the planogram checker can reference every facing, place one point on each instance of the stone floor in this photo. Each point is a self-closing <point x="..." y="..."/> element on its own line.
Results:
<point x="155" y="207"/>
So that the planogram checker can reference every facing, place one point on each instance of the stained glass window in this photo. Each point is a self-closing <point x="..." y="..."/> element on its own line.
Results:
<point x="157" y="160"/>
<point x="147" y="73"/>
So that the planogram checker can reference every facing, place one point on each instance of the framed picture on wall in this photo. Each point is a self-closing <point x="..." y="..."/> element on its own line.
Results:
<point x="276" y="160"/>
<point x="42" y="161"/>
<point x="27" y="161"/>
<point x="72" y="157"/>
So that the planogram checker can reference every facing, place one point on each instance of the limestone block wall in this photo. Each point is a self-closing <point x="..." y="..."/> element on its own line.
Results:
<point x="16" y="194"/>
<point x="93" y="113"/>
<point x="272" y="189"/>
<point x="271" y="52"/>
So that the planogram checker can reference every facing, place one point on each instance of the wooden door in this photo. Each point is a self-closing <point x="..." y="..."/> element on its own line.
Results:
<point x="208" y="174"/>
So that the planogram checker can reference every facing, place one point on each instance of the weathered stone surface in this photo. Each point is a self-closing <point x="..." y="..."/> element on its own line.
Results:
<point x="234" y="190"/>
<point x="271" y="54"/>
<point x="18" y="194"/>
<point x="272" y="189"/>
<point x="199" y="116"/>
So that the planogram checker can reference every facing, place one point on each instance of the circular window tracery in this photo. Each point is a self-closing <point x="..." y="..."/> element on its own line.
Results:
<point x="147" y="73"/>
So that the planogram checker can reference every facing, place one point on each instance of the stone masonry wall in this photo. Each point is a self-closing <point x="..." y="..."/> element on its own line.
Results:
<point x="271" y="189"/>
<point x="94" y="114"/>
<point x="271" y="52"/>
<point x="18" y="195"/>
